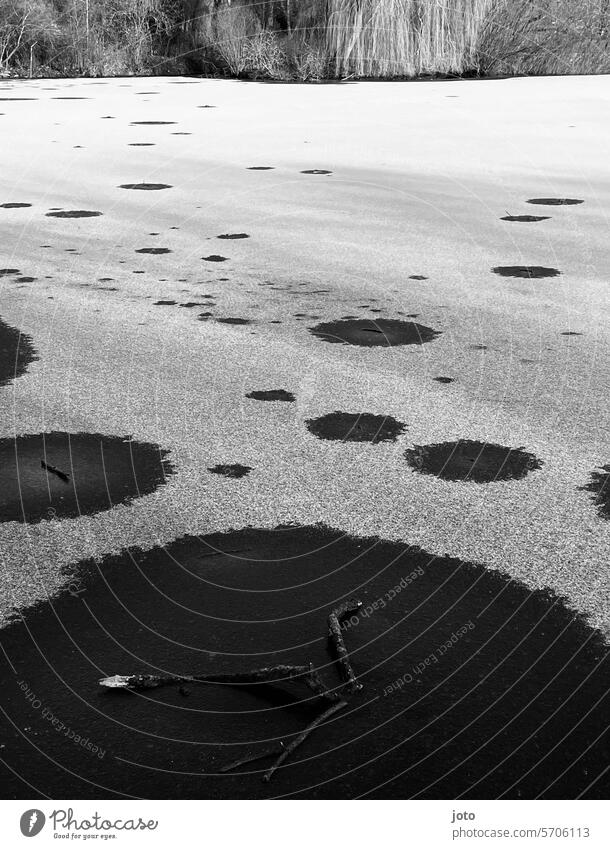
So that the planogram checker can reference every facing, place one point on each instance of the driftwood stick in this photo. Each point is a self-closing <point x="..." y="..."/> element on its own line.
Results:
<point x="276" y="750"/>
<point x="300" y="738"/>
<point x="266" y="675"/>
<point x="338" y="643"/>
<point x="49" y="468"/>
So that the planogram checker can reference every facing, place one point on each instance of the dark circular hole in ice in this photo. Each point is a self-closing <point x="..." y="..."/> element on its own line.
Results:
<point x="145" y="187"/>
<point x="385" y="332"/>
<point x="230" y="470"/>
<point x="85" y="473"/>
<point x="469" y="460"/>
<point x="355" y="427"/>
<point x="528" y="272"/>
<point x="74" y="213"/>
<point x="234" y="321"/>
<point x="271" y="395"/>
<point x="555" y="201"/>
<point x="525" y="218"/>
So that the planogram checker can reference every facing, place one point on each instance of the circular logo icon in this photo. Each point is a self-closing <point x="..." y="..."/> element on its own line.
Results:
<point x="32" y="822"/>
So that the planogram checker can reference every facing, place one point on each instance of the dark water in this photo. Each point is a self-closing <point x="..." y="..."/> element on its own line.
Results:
<point x="356" y="427"/>
<point x="473" y="685"/>
<point x="468" y="460"/>
<point x="90" y="472"/>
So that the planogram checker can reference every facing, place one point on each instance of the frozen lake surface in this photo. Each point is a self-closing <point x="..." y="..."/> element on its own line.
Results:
<point x="218" y="267"/>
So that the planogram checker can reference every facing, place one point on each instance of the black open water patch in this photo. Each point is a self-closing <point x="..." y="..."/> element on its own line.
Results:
<point x="370" y="333"/>
<point x="145" y="187"/>
<point x="85" y="473"/>
<point x="271" y="395"/>
<point x="529" y="272"/>
<point x="154" y="251"/>
<point x="474" y="686"/>
<point x="555" y="201"/>
<point x="599" y="485"/>
<point x="16" y="353"/>
<point x="356" y="427"/>
<point x="14" y="205"/>
<point x="74" y="213"/>
<point x="230" y="470"/>
<point x="526" y="218"/>
<point x="469" y="460"/>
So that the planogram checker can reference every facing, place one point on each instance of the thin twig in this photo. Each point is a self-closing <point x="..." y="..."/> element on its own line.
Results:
<point x="49" y="468"/>
<point x="338" y="644"/>
<point x="300" y="738"/>
<point x="252" y="758"/>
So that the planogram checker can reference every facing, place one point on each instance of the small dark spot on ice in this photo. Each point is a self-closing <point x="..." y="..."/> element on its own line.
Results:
<point x="478" y="347"/>
<point x="153" y="251"/>
<point x="271" y="395"/>
<point x="214" y="258"/>
<point x="151" y="187"/>
<point x="261" y="168"/>
<point x="417" y="277"/>
<point x="206" y="106"/>
<point x="525" y="218"/>
<point x="555" y="201"/>
<point x="234" y="321"/>
<point x="356" y="427"/>
<point x="233" y="236"/>
<point x="316" y="171"/>
<point x="571" y="333"/>
<point x="74" y="213"/>
<point x="151" y="123"/>
<point x="14" y="205"/>
<point x="164" y="303"/>
<point x="7" y="272"/>
<point x="471" y="461"/>
<point x="599" y="485"/>
<point x="443" y="379"/>
<point x="27" y="279"/>
<point x="528" y="272"/>
<point x="230" y="470"/>
<point x="141" y="144"/>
